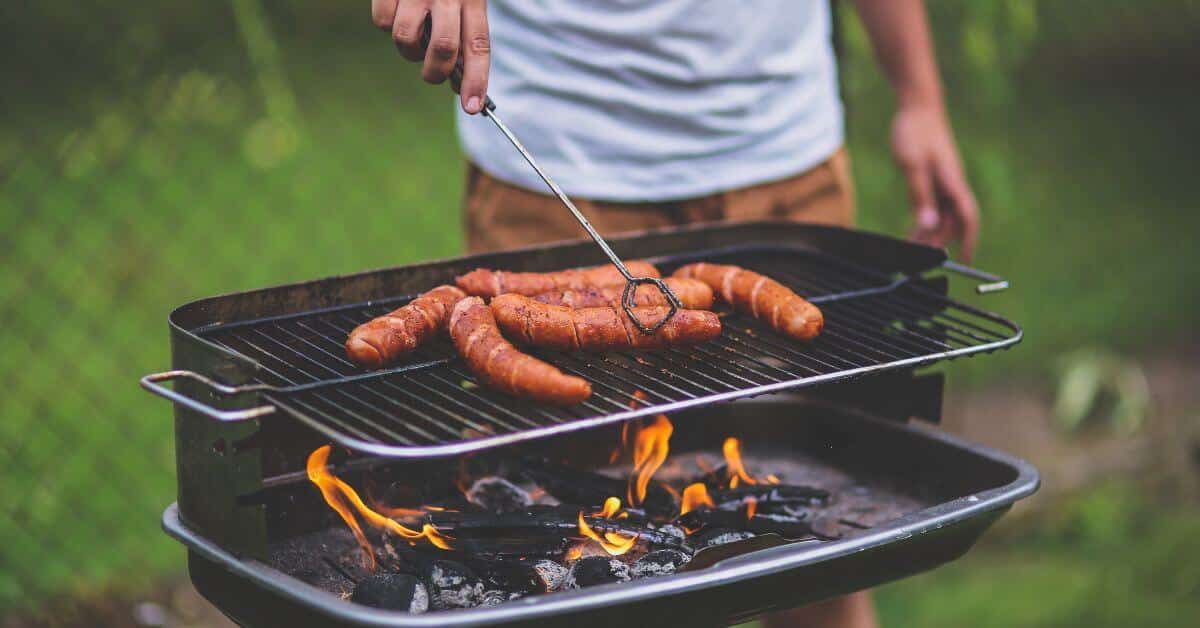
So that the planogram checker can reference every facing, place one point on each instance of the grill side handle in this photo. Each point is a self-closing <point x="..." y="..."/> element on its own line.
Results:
<point x="153" y="383"/>
<point x="989" y="283"/>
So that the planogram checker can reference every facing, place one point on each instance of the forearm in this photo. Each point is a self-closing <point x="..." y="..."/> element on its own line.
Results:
<point x="899" y="32"/>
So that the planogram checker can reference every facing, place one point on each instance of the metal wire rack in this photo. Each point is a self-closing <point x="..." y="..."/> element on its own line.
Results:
<point x="431" y="405"/>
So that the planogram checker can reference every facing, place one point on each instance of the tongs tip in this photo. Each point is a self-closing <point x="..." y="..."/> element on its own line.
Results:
<point x="628" y="300"/>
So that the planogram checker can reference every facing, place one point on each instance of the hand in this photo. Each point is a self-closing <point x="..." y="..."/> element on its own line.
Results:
<point x="943" y="206"/>
<point x="459" y="28"/>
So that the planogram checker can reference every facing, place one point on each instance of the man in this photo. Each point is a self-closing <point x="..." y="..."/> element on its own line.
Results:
<point x="652" y="113"/>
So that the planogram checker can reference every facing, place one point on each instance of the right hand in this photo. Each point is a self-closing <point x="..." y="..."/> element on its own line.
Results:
<point x="460" y="28"/>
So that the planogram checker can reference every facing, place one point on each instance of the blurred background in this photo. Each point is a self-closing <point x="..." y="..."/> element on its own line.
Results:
<point x="151" y="154"/>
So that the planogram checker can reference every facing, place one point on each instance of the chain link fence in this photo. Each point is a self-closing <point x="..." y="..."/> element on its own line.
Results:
<point x="151" y="157"/>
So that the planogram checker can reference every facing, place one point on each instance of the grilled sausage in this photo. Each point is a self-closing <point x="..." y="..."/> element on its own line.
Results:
<point x="382" y="340"/>
<point x="483" y="282"/>
<point x="599" y="328"/>
<point x="693" y="294"/>
<point x="500" y="365"/>
<point x="767" y="299"/>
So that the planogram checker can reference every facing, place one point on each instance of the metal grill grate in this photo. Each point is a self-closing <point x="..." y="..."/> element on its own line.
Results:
<point x="431" y="405"/>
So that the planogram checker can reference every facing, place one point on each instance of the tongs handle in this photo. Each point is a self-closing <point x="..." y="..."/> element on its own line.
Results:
<point x="991" y="283"/>
<point x="631" y="283"/>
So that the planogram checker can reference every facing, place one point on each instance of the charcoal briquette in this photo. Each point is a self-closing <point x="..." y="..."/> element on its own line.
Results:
<point x="453" y="585"/>
<point x="498" y="495"/>
<point x="553" y="575"/>
<point x="594" y="570"/>
<point x="719" y="536"/>
<point x="392" y="591"/>
<point x="661" y="562"/>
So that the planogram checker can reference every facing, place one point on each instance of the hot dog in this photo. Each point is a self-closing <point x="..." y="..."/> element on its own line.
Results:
<point x="382" y="340"/>
<point x="483" y="282"/>
<point x="502" y="366"/>
<point x="763" y="297"/>
<point x="598" y="328"/>
<point x="693" y="294"/>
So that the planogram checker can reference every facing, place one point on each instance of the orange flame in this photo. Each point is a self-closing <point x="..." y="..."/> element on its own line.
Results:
<point x="695" y="496"/>
<point x="751" y="508"/>
<point x="337" y="493"/>
<point x="573" y="554"/>
<point x="611" y="542"/>
<point x="733" y="461"/>
<point x="319" y="475"/>
<point x="772" y="478"/>
<point x="650" y="449"/>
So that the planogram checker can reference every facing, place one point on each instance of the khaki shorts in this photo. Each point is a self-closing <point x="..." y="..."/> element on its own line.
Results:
<point x="503" y="216"/>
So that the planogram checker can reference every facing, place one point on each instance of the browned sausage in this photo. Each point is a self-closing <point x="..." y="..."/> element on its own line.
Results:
<point x="483" y="282"/>
<point x="599" y="328"/>
<point x="502" y="366"/>
<point x="382" y="340"/>
<point x="693" y="294"/>
<point x="767" y="299"/>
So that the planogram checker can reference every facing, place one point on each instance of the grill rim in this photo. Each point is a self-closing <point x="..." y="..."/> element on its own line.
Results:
<point x="757" y="564"/>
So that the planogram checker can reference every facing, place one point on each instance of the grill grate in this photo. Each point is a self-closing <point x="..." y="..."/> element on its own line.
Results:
<point x="431" y="405"/>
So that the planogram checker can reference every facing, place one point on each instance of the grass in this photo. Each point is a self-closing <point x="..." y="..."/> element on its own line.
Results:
<point x="122" y="197"/>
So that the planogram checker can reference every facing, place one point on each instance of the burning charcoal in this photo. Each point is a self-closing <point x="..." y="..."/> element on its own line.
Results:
<point x="453" y="585"/>
<point x="508" y="574"/>
<point x="718" y="536"/>
<point x="770" y="495"/>
<point x="498" y="495"/>
<point x="659" y="563"/>
<point x="673" y="531"/>
<point x="594" y="570"/>
<point x="392" y="591"/>
<point x="495" y="597"/>
<point x="761" y="523"/>
<point x="584" y="488"/>
<point x="545" y="529"/>
<point x="553" y="575"/>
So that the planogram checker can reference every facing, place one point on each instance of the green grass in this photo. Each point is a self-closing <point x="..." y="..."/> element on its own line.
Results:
<point x="122" y="197"/>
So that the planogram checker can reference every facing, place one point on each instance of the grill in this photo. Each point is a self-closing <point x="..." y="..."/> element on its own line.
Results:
<point x="431" y="405"/>
<point x="260" y="381"/>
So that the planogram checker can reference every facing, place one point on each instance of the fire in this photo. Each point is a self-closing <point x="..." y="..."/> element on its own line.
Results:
<point x="733" y="461"/>
<point x="695" y="496"/>
<point x="650" y="449"/>
<point x="337" y="494"/>
<point x="751" y="508"/>
<point x="613" y="543"/>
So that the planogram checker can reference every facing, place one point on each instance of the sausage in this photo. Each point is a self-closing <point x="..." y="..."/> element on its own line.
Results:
<point x="483" y="282"/>
<point x="502" y="366"/>
<point x="599" y="328"/>
<point x="693" y="294"/>
<point x="383" y="339"/>
<point x="766" y="299"/>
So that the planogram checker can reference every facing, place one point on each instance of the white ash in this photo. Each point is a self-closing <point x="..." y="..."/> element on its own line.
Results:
<point x="496" y="597"/>
<point x="724" y="536"/>
<point x="454" y="586"/>
<point x="420" y="599"/>
<point x="497" y="494"/>
<point x="552" y="574"/>
<point x="673" y="531"/>
<point x="662" y="562"/>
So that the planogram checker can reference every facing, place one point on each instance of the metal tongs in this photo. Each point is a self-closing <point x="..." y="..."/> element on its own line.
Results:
<point x="631" y="282"/>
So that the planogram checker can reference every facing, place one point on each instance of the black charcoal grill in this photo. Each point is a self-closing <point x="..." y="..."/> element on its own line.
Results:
<point x="261" y="380"/>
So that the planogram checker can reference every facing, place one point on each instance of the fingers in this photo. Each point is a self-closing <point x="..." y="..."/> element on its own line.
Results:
<point x="407" y="27"/>
<point x="476" y="51"/>
<point x="923" y="202"/>
<point x="383" y="13"/>
<point x="444" y="40"/>
<point x="959" y="204"/>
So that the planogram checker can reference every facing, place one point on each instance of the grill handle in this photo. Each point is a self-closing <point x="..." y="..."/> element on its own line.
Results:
<point x="152" y="383"/>
<point x="991" y="283"/>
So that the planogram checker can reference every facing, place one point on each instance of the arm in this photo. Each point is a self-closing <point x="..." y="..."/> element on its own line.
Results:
<point x="942" y="202"/>
<point x="459" y="28"/>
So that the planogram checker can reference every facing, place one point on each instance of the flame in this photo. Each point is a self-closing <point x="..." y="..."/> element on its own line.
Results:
<point x="772" y="478"/>
<point x="573" y="554"/>
<point x="650" y="450"/>
<point x="695" y="496"/>
<point x="751" y="508"/>
<point x="328" y="484"/>
<point x="337" y="493"/>
<point x="733" y="461"/>
<point x="611" y="542"/>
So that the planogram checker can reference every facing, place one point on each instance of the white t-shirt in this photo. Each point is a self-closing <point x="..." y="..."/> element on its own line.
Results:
<point x="654" y="100"/>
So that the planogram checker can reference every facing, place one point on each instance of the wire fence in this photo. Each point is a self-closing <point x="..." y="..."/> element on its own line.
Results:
<point x="147" y="159"/>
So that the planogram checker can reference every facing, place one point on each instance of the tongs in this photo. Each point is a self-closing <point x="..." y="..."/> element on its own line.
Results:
<point x="631" y="282"/>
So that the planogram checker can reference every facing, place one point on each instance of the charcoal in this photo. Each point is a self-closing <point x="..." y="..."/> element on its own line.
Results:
<point x="661" y="562"/>
<point x="553" y="575"/>
<point x="718" y="536"/>
<point x="544" y="528"/>
<point x="498" y="495"/>
<point x="672" y="531"/>
<point x="768" y="495"/>
<point x="585" y="488"/>
<point x="453" y="585"/>
<point x="508" y="574"/>
<point x="595" y="570"/>
<point x="392" y="591"/>
<point x="761" y="523"/>
<point x="494" y="597"/>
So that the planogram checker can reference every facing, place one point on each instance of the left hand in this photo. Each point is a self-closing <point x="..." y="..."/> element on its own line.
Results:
<point x="943" y="206"/>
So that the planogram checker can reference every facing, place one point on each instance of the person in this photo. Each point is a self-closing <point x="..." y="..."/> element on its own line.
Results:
<point x="653" y="113"/>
